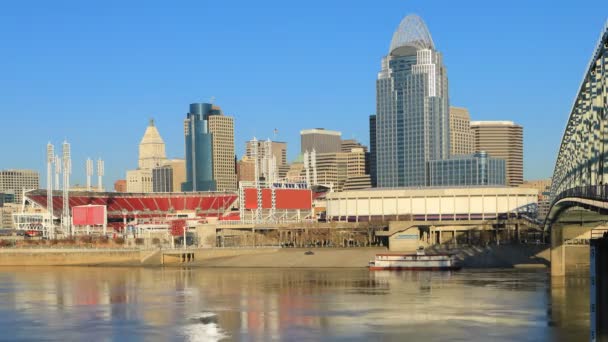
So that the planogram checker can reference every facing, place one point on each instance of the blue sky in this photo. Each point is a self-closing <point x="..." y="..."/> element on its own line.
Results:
<point x="95" y="72"/>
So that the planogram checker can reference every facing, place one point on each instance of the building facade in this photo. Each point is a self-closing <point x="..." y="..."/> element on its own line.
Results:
<point x="372" y="149"/>
<point x="162" y="179"/>
<point x="503" y="140"/>
<point x="543" y="186"/>
<point x="139" y="181"/>
<point x="321" y="140"/>
<point x="120" y="185"/>
<point x="221" y="128"/>
<point x="472" y="170"/>
<point x="278" y="150"/>
<point x="462" y="140"/>
<point x="199" y="149"/>
<point x="151" y="149"/>
<point x="151" y="154"/>
<point x="412" y="110"/>
<point x="15" y="181"/>
<point x="341" y="170"/>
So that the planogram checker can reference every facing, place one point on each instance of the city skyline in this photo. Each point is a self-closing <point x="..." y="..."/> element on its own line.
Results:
<point x="114" y="120"/>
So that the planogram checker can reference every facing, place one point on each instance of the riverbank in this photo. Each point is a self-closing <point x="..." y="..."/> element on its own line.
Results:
<point x="506" y="256"/>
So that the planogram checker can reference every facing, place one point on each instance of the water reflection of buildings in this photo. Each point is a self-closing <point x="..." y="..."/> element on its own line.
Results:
<point x="269" y="304"/>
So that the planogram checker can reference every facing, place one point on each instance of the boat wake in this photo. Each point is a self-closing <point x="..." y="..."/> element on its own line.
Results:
<point x="203" y="327"/>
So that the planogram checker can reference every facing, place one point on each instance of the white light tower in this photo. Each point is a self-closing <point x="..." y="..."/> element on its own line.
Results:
<point x="89" y="173"/>
<point x="50" y="159"/>
<point x="67" y="170"/>
<point x="100" y="172"/>
<point x="57" y="172"/>
<point x="258" y="187"/>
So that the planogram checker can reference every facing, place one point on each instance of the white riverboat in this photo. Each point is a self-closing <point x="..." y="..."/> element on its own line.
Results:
<point x="418" y="261"/>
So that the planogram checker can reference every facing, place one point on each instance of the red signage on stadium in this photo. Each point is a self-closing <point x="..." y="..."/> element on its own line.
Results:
<point x="285" y="199"/>
<point x="89" y="215"/>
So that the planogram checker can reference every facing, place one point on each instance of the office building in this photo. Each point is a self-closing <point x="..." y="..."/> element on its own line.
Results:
<point x="14" y="182"/>
<point x="278" y="149"/>
<point x="472" y="170"/>
<point x="246" y="169"/>
<point x="321" y="140"/>
<point x="151" y="149"/>
<point x="462" y="140"/>
<point x="139" y="181"/>
<point x="348" y="144"/>
<point x="372" y="149"/>
<point x="341" y="169"/>
<point x="503" y="140"/>
<point x="412" y="110"/>
<point x="162" y="179"/>
<point x="151" y="155"/>
<point x="199" y="149"/>
<point x="221" y="128"/>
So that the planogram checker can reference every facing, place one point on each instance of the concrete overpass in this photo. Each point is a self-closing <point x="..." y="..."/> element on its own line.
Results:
<point x="579" y="189"/>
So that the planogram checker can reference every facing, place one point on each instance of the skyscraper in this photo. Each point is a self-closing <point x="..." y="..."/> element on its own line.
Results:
<point x="412" y="109"/>
<point x="462" y="141"/>
<point x="221" y="128"/>
<point x="372" y="149"/>
<point x="504" y="140"/>
<point x="151" y="148"/>
<point x="199" y="148"/>
<point x="151" y="155"/>
<point x="321" y="140"/>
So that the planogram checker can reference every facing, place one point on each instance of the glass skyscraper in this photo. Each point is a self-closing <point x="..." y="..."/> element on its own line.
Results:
<point x="199" y="149"/>
<point x="412" y="107"/>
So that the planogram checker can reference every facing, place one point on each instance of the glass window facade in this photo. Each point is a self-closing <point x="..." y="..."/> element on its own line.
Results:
<point x="471" y="170"/>
<point x="412" y="110"/>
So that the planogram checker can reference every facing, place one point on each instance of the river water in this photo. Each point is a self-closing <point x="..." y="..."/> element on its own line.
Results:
<point x="194" y="304"/>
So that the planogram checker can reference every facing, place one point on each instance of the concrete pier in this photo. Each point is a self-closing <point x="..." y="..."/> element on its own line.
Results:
<point x="599" y="289"/>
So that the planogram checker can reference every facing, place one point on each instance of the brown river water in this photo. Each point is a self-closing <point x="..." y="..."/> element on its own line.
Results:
<point x="265" y="304"/>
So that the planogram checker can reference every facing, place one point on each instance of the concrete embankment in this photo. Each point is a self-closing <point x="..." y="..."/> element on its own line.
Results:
<point x="64" y="257"/>
<point x="468" y="256"/>
<point x="288" y="258"/>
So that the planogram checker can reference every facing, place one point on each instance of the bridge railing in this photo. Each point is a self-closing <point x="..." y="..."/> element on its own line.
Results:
<point x="592" y="192"/>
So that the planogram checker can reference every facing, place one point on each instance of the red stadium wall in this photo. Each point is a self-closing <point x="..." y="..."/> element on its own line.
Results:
<point x="89" y="215"/>
<point x="286" y="199"/>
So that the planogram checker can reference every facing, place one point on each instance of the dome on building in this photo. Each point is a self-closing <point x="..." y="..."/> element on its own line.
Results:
<point x="411" y="35"/>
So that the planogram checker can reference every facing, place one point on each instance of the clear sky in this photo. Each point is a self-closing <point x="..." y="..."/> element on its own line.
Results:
<point x="94" y="72"/>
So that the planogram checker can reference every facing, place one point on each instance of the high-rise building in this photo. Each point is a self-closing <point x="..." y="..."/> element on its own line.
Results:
<point x="278" y="149"/>
<point x="348" y="145"/>
<point x="221" y="128"/>
<point x="321" y="140"/>
<point x="462" y="140"/>
<point x="341" y="170"/>
<point x="372" y="149"/>
<point x="504" y="140"/>
<point x="412" y="109"/>
<point x="15" y="181"/>
<point x="199" y="148"/>
<point x="151" y="148"/>
<point x="151" y="155"/>
<point x="162" y="179"/>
